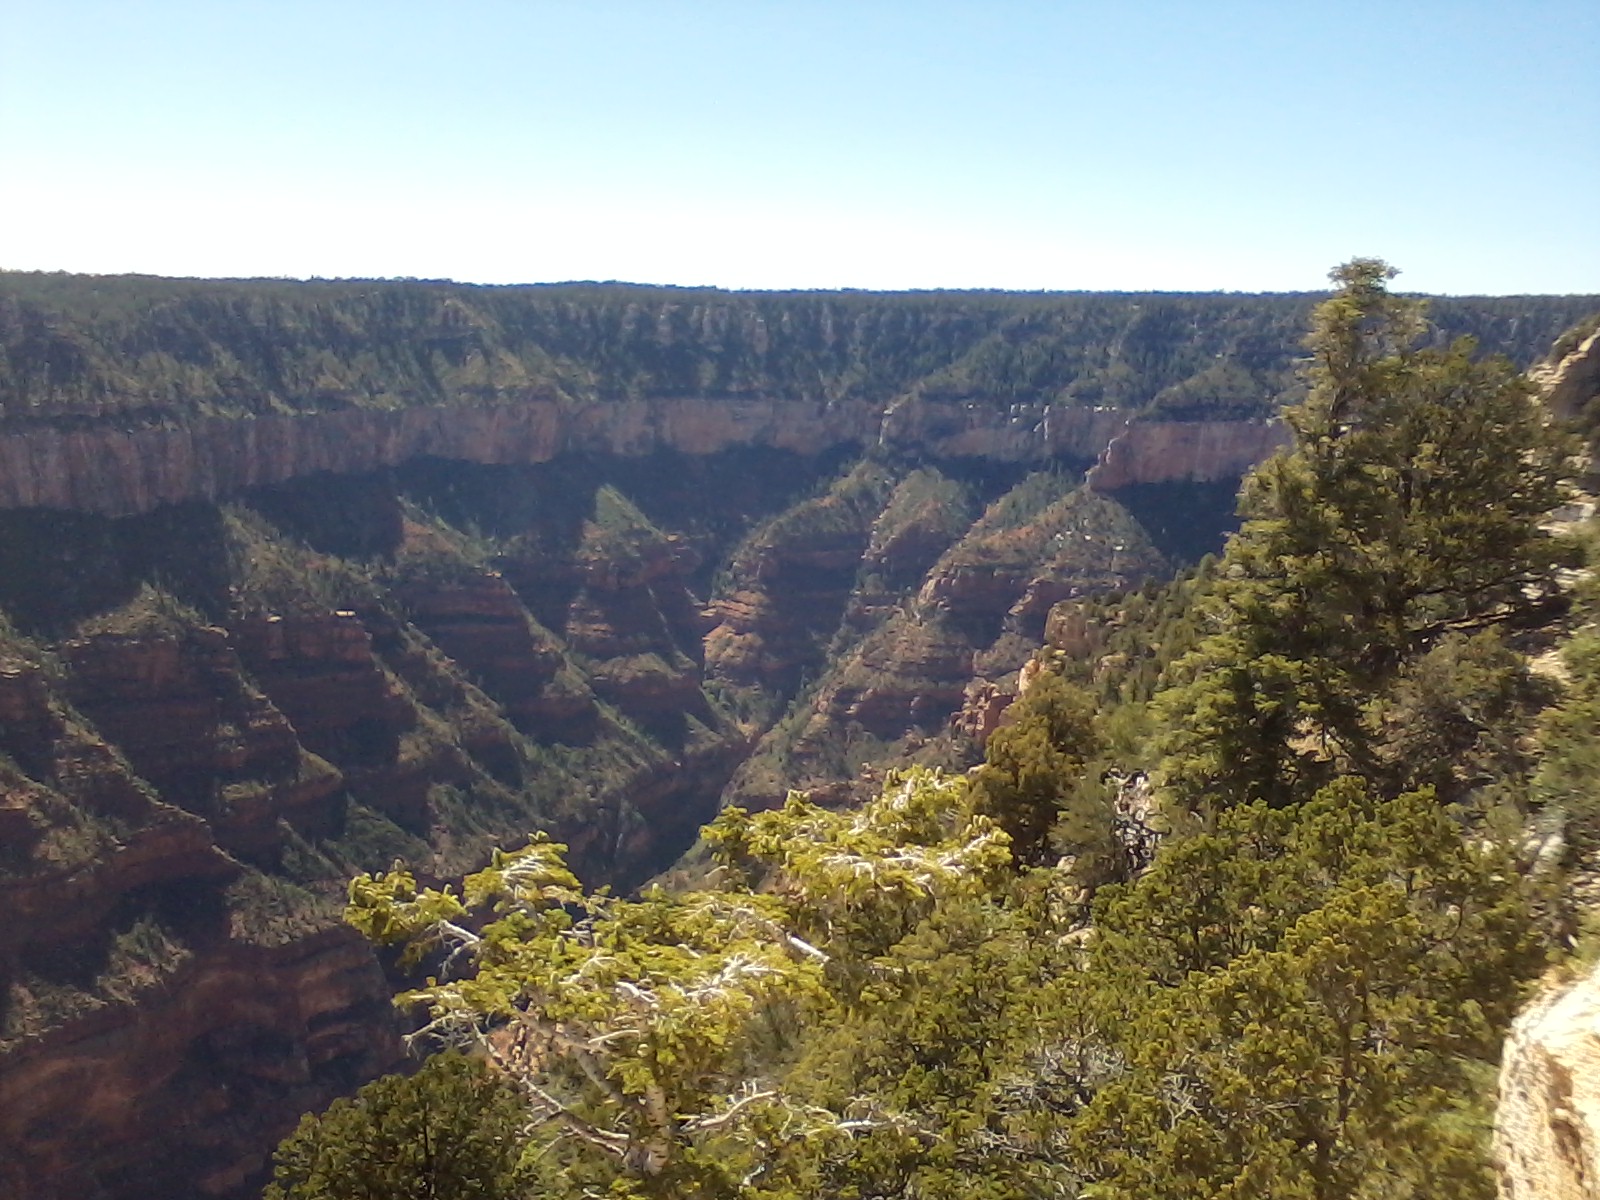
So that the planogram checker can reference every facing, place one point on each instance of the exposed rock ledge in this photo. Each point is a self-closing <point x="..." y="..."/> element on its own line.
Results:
<point x="1571" y="384"/>
<point x="1547" y="1127"/>
<point x="121" y="472"/>
<point x="1190" y="451"/>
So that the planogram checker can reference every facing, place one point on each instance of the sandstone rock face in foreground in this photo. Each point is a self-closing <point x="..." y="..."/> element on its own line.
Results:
<point x="1571" y="381"/>
<point x="1547" y="1128"/>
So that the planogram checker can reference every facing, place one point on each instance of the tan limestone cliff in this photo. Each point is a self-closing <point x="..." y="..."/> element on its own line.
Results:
<point x="1184" y="452"/>
<point x="1570" y="383"/>
<point x="120" y="472"/>
<point x="1547" y="1126"/>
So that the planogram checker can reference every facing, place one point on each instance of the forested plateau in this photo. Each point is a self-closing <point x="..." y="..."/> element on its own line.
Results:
<point x="302" y="580"/>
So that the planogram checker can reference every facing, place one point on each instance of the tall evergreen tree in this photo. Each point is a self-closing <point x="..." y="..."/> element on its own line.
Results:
<point x="1408" y="507"/>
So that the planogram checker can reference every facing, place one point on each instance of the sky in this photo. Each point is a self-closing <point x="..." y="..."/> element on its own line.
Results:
<point x="886" y="144"/>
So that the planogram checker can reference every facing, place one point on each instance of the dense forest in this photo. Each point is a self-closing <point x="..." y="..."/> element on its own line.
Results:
<point x="1239" y="907"/>
<point x="144" y="351"/>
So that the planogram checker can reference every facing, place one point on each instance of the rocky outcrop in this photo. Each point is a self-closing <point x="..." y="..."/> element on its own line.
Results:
<point x="1184" y="452"/>
<point x="771" y="628"/>
<point x="179" y="708"/>
<point x="479" y="622"/>
<point x="1547" y="1126"/>
<point x="145" y="1048"/>
<point x="942" y="662"/>
<point x="181" y="806"/>
<point x="913" y="674"/>
<point x="1572" y="382"/>
<point x="983" y="704"/>
<point x="790" y="585"/>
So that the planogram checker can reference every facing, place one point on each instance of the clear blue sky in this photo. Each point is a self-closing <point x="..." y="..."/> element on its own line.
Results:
<point x="810" y="143"/>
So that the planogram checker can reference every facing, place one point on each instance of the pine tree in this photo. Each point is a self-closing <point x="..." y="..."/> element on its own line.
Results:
<point x="1409" y="507"/>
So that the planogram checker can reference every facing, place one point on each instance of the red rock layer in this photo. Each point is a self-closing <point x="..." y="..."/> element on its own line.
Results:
<point x="179" y="708"/>
<point x="480" y="623"/>
<point x="169" y="1097"/>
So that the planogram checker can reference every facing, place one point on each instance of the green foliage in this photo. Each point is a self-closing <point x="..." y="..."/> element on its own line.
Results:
<point x="79" y="349"/>
<point x="1410" y="507"/>
<point x="858" y="882"/>
<point x="1298" y="1001"/>
<point x="942" y="1060"/>
<point x="1290" y="1006"/>
<point x="1032" y="777"/>
<point x="152" y="612"/>
<point x="1459" y="717"/>
<point x="924" y="505"/>
<point x="1568" y="779"/>
<point x="277" y="575"/>
<point x="631" y="1026"/>
<point x="452" y="1131"/>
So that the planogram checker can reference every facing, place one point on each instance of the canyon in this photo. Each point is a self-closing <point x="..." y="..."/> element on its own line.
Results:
<point x="269" y="619"/>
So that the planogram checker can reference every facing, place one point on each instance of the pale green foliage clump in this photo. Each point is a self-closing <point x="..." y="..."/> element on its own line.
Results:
<point x="632" y="1026"/>
<point x="859" y="881"/>
<point x="622" y="1020"/>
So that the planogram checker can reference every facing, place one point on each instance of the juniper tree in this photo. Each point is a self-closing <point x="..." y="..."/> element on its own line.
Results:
<point x="1295" y="1005"/>
<point x="633" y="1029"/>
<point x="1033" y="773"/>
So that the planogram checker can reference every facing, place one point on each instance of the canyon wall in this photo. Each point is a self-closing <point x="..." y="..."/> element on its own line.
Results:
<point x="1184" y="452"/>
<point x="170" y="1097"/>
<point x="210" y="717"/>
<point x="118" y="472"/>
